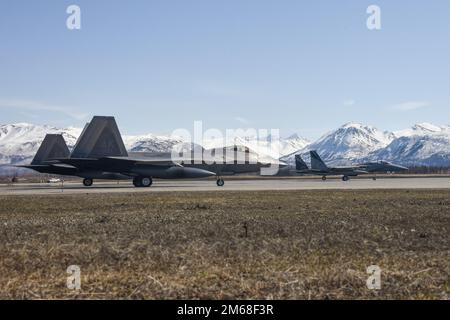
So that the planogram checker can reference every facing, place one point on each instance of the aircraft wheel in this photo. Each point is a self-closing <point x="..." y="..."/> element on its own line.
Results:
<point x="345" y="178"/>
<point x="324" y="178"/>
<point x="146" y="182"/>
<point x="137" y="182"/>
<point x="220" y="182"/>
<point x="87" y="182"/>
<point x="374" y="178"/>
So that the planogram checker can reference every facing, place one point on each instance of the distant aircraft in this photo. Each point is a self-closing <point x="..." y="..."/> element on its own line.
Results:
<point x="318" y="167"/>
<point x="381" y="167"/>
<point x="231" y="160"/>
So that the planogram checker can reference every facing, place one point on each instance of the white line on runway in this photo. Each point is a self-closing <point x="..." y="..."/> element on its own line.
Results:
<point x="230" y="185"/>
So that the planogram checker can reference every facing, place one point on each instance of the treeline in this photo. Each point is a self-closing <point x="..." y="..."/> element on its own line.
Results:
<point x="428" y="170"/>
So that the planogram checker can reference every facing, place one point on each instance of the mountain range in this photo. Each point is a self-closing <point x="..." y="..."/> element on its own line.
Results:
<point x="423" y="144"/>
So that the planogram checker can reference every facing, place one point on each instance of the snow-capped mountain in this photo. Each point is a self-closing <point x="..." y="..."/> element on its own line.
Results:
<point x="421" y="145"/>
<point x="19" y="142"/>
<point x="150" y="143"/>
<point x="272" y="147"/>
<point x="422" y="129"/>
<point x="349" y="143"/>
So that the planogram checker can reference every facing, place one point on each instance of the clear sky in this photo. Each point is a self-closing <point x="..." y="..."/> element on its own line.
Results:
<point x="300" y="66"/>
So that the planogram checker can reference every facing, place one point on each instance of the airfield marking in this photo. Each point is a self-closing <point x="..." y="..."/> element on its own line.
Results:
<point x="230" y="185"/>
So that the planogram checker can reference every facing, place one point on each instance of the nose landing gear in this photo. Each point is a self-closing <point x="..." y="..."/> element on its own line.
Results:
<point x="220" y="182"/>
<point x="88" y="182"/>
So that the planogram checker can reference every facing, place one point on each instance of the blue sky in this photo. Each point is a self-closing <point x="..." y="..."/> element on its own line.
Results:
<point x="300" y="66"/>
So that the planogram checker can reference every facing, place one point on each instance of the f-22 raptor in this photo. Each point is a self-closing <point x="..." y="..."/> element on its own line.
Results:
<point x="54" y="147"/>
<point x="100" y="153"/>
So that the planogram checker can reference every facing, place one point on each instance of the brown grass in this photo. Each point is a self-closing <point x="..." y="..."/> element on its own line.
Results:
<point x="299" y="245"/>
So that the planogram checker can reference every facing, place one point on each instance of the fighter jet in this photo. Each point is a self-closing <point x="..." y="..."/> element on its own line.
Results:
<point x="100" y="153"/>
<point x="109" y="152"/>
<point x="231" y="160"/>
<point x="54" y="147"/>
<point x="381" y="167"/>
<point x="100" y="148"/>
<point x="318" y="167"/>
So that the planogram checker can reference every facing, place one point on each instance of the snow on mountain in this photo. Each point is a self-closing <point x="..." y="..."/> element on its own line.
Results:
<point x="272" y="147"/>
<point x="422" y="129"/>
<point x="422" y="145"/>
<point x="346" y="144"/>
<point x="150" y="143"/>
<point x="19" y="142"/>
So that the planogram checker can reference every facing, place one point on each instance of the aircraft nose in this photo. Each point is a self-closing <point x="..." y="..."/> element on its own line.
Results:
<point x="401" y="168"/>
<point x="184" y="172"/>
<point x="283" y="165"/>
<point x="200" y="173"/>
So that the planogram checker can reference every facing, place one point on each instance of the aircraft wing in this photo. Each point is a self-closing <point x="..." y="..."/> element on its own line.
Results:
<point x="115" y="161"/>
<point x="145" y="161"/>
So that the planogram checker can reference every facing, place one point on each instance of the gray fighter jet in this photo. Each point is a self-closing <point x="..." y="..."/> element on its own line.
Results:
<point x="54" y="147"/>
<point x="231" y="160"/>
<point x="381" y="167"/>
<point x="318" y="167"/>
<point x="100" y="148"/>
<point x="100" y="153"/>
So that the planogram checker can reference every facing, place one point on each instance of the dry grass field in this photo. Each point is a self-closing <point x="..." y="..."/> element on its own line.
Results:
<point x="230" y="245"/>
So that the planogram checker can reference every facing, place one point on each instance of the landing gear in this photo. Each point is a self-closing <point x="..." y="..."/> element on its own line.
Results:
<point x="220" y="182"/>
<point x="324" y="178"/>
<point x="137" y="182"/>
<point x="88" y="182"/>
<point x="374" y="178"/>
<point x="144" y="182"/>
<point x="345" y="178"/>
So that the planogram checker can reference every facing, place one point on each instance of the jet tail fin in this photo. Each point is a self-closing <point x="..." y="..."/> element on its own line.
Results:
<point x="100" y="138"/>
<point x="54" y="146"/>
<point x="300" y="165"/>
<point x="317" y="162"/>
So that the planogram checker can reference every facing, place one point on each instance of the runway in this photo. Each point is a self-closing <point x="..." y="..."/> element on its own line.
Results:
<point x="230" y="185"/>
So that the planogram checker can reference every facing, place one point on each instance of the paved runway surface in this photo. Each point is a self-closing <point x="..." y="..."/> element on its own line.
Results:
<point x="231" y="185"/>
